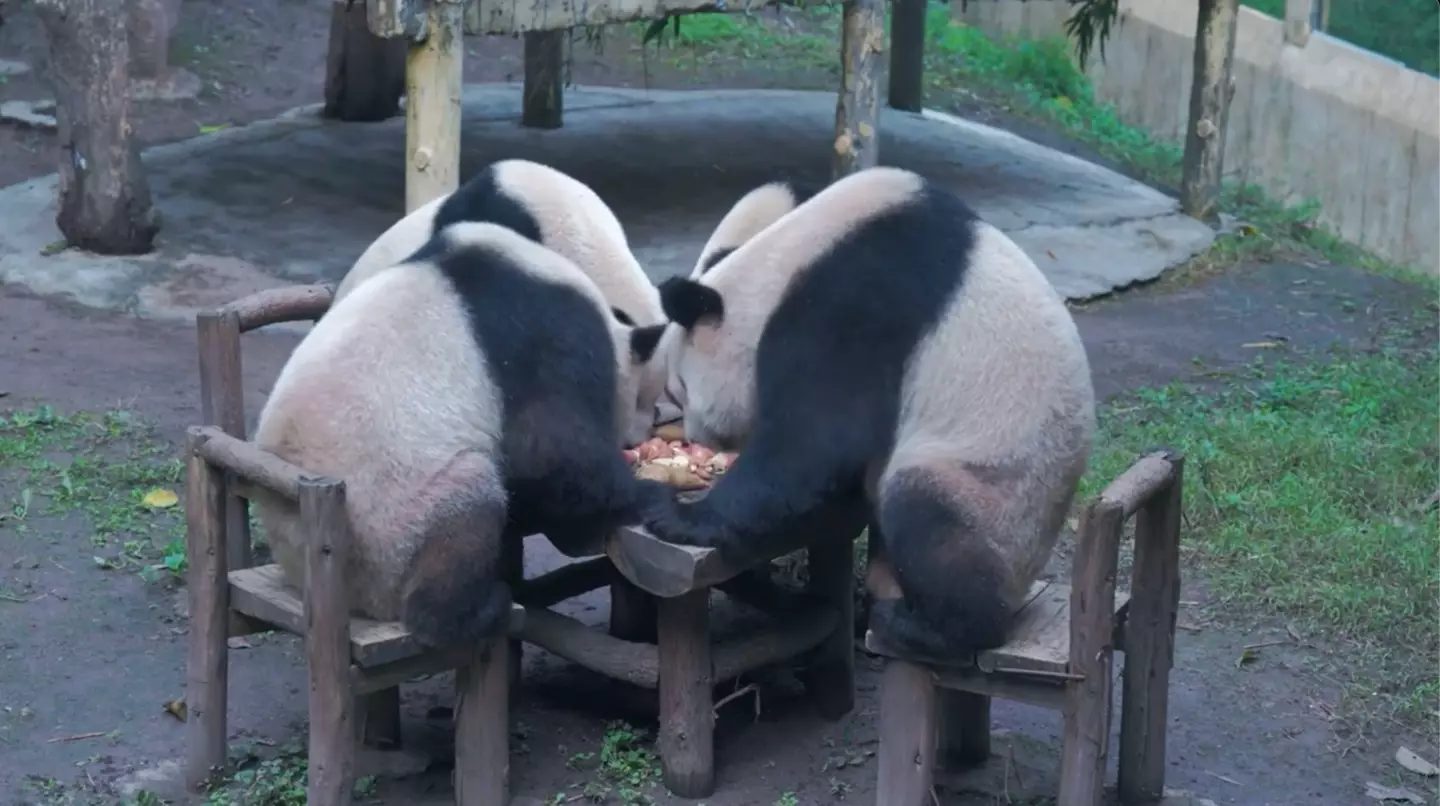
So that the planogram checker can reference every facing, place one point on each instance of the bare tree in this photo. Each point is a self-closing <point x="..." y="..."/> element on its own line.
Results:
<point x="1201" y="168"/>
<point x="104" y="203"/>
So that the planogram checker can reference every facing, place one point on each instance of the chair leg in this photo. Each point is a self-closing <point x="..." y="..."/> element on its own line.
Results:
<point x="687" y="715"/>
<point x="964" y="728"/>
<point x="513" y="563"/>
<point x="207" y="665"/>
<point x="907" y="735"/>
<point x="832" y="580"/>
<point x="482" y="727"/>
<point x="379" y="714"/>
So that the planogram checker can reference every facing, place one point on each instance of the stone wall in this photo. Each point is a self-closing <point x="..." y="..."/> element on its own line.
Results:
<point x="1312" y="117"/>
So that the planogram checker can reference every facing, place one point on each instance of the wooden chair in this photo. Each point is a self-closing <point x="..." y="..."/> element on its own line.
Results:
<point x="1059" y="656"/>
<point x="658" y="637"/>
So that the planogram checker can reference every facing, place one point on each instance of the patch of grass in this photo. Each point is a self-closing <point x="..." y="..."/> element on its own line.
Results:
<point x="716" y="41"/>
<point x="1306" y="491"/>
<point x="279" y="780"/>
<point x="56" y="467"/>
<point x="625" y="765"/>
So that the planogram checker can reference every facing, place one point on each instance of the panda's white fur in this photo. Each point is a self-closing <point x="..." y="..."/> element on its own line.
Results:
<point x="880" y="340"/>
<point x="554" y="209"/>
<point x="754" y="212"/>
<point x="408" y="389"/>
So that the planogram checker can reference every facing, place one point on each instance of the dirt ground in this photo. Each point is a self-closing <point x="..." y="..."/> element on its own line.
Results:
<point x="96" y="653"/>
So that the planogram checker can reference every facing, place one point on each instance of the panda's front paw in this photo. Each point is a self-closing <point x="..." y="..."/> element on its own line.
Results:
<point x="671" y="521"/>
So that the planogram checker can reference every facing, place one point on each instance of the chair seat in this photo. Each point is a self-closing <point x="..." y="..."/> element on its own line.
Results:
<point x="261" y="593"/>
<point x="1039" y="638"/>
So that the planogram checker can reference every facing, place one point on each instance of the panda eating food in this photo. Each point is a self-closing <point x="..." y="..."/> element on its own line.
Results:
<point x="880" y="341"/>
<point x="474" y="393"/>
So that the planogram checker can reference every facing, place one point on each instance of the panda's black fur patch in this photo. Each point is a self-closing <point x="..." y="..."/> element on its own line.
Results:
<point x="800" y="191"/>
<point x="686" y="302"/>
<point x="483" y="200"/>
<point x="550" y="353"/>
<point x="622" y="317"/>
<point x="644" y="340"/>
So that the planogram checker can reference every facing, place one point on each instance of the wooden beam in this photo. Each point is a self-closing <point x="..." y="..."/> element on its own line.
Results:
<point x="364" y="73"/>
<point x="857" y="113"/>
<point x="104" y="203"/>
<point x="482" y="727"/>
<point x="207" y="660"/>
<point x="907" y="735"/>
<point x="222" y="404"/>
<point x="907" y="55"/>
<point x="634" y="663"/>
<point x="247" y="460"/>
<point x="294" y="303"/>
<point x="687" y="713"/>
<point x="433" y="86"/>
<point x="1142" y="481"/>
<point x="794" y="636"/>
<point x="543" y="101"/>
<point x="1092" y="613"/>
<point x="1203" y="165"/>
<point x="1150" y="641"/>
<point x="327" y="642"/>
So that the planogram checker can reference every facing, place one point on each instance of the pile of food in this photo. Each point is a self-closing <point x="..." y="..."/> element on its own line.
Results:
<point x="686" y="465"/>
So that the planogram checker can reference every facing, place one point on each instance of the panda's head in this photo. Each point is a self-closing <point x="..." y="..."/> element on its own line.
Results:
<point x="710" y="374"/>
<point x="641" y="377"/>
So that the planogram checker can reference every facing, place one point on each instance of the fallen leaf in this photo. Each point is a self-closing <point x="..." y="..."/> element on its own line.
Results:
<point x="1246" y="655"/>
<point x="1261" y="345"/>
<point x="176" y="708"/>
<point x="213" y="129"/>
<point x="238" y="642"/>
<point x="1412" y="761"/>
<point x="1382" y="792"/>
<point x="54" y="248"/>
<point x="161" y="498"/>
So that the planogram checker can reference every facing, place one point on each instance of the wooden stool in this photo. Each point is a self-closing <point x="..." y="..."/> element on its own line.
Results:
<point x="1059" y="656"/>
<point x="659" y="633"/>
<point x="355" y="664"/>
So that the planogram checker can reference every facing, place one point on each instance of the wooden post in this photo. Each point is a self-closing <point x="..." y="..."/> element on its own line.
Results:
<point x="857" y="112"/>
<point x="1092" y="614"/>
<point x="364" y="73"/>
<point x="379" y="720"/>
<point x="433" y="85"/>
<point x="482" y="727"/>
<point x="1203" y="164"/>
<point x="222" y="403"/>
<point x="513" y="558"/>
<point x="832" y="580"/>
<point x="907" y="735"/>
<point x="1150" y="641"/>
<point x="543" y="101"/>
<point x="207" y="664"/>
<point x="633" y="612"/>
<point x="327" y="641"/>
<point x="907" y="55"/>
<point x="964" y="727"/>
<point x="104" y="203"/>
<point x="687" y="715"/>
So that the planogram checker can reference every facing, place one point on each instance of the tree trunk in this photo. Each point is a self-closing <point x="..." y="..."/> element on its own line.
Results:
<point x="364" y="73"/>
<point x="104" y="203"/>
<point x="1209" y="107"/>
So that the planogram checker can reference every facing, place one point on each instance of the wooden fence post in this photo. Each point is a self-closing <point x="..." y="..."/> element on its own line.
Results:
<point x="857" y="112"/>
<point x="1202" y="167"/>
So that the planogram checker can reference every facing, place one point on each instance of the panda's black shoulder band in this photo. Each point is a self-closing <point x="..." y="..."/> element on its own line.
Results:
<point x="686" y="302"/>
<point x="644" y="340"/>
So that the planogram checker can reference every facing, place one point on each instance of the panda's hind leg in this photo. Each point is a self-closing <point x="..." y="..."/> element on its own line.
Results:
<point x="453" y="590"/>
<point x="938" y="582"/>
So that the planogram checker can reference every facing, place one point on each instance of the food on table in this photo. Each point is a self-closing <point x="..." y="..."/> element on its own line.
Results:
<point x="687" y="465"/>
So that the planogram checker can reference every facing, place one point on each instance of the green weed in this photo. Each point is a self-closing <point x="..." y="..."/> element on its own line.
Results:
<point x="56" y="467"/>
<point x="1306" y="495"/>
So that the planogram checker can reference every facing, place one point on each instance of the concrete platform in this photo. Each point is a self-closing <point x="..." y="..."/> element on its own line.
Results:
<point x="296" y="199"/>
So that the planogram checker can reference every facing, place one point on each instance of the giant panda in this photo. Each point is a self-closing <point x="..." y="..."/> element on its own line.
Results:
<point x="882" y="342"/>
<point x="754" y="212"/>
<point x="551" y="208"/>
<point x="475" y="392"/>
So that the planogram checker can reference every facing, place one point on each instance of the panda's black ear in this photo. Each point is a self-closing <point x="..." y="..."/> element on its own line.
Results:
<point x="686" y="302"/>
<point x="644" y="340"/>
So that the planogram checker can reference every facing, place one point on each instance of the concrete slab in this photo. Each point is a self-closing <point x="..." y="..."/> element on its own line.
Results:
<point x="296" y="199"/>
